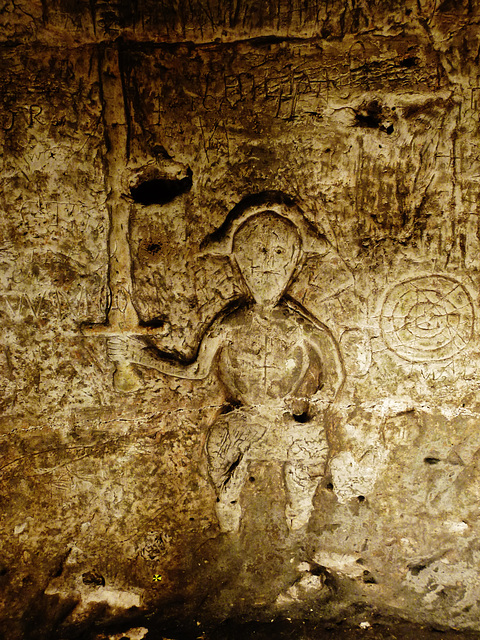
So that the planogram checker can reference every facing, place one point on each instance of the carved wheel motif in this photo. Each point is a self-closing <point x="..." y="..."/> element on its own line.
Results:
<point x="428" y="318"/>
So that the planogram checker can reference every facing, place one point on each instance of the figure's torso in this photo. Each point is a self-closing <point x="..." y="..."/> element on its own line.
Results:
<point x="265" y="358"/>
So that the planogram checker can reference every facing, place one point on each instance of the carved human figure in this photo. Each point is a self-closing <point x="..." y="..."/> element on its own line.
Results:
<point x="280" y="369"/>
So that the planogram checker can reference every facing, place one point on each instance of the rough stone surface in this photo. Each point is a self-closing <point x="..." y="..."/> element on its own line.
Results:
<point x="240" y="262"/>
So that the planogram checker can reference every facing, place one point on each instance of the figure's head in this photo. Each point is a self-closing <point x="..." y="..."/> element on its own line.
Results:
<point x="266" y="248"/>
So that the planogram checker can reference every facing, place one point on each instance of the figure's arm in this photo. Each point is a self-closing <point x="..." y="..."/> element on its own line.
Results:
<point x="309" y="384"/>
<point x="328" y="371"/>
<point x="133" y="351"/>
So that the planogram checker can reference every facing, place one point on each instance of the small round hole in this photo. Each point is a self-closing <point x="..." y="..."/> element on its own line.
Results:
<point x="154" y="247"/>
<point x="361" y="498"/>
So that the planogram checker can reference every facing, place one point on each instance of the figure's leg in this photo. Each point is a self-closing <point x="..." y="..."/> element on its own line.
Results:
<point x="301" y="483"/>
<point x="305" y="465"/>
<point x="227" y="448"/>
<point x="228" y="486"/>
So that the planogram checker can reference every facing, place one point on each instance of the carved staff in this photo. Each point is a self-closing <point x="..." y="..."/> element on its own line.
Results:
<point x="122" y="318"/>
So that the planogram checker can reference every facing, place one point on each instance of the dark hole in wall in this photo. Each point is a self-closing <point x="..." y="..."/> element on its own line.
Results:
<point x="161" y="190"/>
<point x="302" y="417"/>
<point x="368" y="578"/>
<point x="367" y="120"/>
<point x="371" y="116"/>
<point x="415" y="569"/>
<point x="153" y="323"/>
<point x="318" y="570"/>
<point x="409" y="62"/>
<point x="231" y="471"/>
<point x="154" y="248"/>
<point x="93" y="578"/>
<point x="229" y="406"/>
<point x="234" y="465"/>
<point x="57" y="572"/>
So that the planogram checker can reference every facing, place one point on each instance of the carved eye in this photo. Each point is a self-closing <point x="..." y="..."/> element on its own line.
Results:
<point x="278" y="251"/>
<point x="161" y="190"/>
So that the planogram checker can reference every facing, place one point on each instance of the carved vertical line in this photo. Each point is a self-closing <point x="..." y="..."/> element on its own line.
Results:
<point x="115" y="121"/>
<point x="92" y="6"/>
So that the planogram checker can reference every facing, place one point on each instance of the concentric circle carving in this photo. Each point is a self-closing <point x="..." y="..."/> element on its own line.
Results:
<point x="428" y="318"/>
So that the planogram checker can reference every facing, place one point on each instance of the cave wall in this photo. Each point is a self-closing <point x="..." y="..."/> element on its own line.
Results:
<point x="184" y="441"/>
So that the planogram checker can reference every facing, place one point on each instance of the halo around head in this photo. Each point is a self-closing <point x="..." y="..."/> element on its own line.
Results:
<point x="220" y="242"/>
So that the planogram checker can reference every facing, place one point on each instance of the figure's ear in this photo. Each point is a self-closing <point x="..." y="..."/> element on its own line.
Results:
<point x="298" y="259"/>
<point x="237" y="272"/>
<point x="297" y="252"/>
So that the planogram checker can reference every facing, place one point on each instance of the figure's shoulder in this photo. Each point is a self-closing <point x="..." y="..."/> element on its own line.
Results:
<point x="236" y="314"/>
<point x="290" y="308"/>
<point x="286" y="314"/>
<point x="306" y="319"/>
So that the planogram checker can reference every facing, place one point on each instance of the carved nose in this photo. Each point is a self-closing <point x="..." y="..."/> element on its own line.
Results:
<point x="269" y="260"/>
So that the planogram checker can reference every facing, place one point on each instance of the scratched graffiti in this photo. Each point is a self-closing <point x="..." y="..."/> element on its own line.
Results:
<point x="79" y="303"/>
<point x="282" y="83"/>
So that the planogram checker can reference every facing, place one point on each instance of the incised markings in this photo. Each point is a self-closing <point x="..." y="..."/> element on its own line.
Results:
<point x="427" y="318"/>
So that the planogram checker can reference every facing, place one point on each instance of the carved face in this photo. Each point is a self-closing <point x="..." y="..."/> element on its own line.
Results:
<point x="266" y="249"/>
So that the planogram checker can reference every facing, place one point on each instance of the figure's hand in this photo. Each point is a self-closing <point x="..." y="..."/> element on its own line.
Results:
<point x="121" y="349"/>
<point x="121" y="352"/>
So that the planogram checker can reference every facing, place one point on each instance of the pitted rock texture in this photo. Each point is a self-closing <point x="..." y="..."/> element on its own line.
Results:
<point x="240" y="263"/>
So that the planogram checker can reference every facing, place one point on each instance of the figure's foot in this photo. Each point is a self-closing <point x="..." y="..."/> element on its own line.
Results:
<point x="229" y="515"/>
<point x="298" y="515"/>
